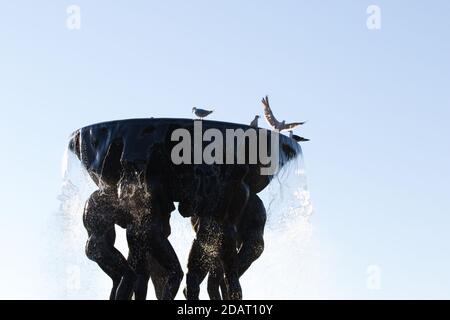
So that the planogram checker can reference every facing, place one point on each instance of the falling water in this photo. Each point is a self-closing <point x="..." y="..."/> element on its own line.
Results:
<point x="281" y="272"/>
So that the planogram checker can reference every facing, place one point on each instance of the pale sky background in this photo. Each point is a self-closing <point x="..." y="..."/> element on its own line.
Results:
<point x="377" y="105"/>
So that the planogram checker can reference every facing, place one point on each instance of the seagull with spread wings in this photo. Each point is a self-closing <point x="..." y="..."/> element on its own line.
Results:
<point x="273" y="122"/>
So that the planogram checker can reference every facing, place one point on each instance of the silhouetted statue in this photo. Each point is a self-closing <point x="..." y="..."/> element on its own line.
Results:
<point x="138" y="181"/>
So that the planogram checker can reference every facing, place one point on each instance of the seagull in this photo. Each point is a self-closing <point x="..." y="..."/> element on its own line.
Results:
<point x="254" y="122"/>
<point x="273" y="122"/>
<point x="201" y="113"/>
<point x="297" y="138"/>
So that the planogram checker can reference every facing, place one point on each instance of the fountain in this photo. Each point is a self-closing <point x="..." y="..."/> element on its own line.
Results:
<point x="132" y="163"/>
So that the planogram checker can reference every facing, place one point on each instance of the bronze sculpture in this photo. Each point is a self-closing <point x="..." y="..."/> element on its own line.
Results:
<point x="131" y="163"/>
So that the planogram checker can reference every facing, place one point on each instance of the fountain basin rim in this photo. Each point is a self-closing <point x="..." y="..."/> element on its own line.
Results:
<point x="210" y="123"/>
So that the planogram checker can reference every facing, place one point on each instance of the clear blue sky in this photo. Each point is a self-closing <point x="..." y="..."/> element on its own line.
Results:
<point x="377" y="102"/>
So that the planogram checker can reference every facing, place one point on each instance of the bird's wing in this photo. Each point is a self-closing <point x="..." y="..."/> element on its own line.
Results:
<point x="203" y="112"/>
<point x="268" y="114"/>
<point x="298" y="138"/>
<point x="292" y="125"/>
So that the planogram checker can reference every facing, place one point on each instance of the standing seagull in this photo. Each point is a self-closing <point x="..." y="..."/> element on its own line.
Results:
<point x="297" y="138"/>
<point x="254" y="122"/>
<point x="273" y="122"/>
<point x="201" y="113"/>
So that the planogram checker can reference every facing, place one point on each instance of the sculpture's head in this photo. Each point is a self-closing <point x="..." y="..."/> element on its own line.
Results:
<point x="95" y="143"/>
<point x="194" y="109"/>
<point x="140" y="156"/>
<point x="138" y="140"/>
<point x="99" y="148"/>
<point x="132" y="190"/>
<point x="74" y="143"/>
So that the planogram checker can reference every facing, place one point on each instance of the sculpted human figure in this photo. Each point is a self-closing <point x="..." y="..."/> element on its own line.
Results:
<point x="101" y="213"/>
<point x="217" y="207"/>
<point x="150" y="252"/>
<point x="250" y="246"/>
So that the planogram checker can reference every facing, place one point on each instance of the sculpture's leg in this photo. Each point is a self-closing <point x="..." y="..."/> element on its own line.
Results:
<point x="223" y="288"/>
<point x="162" y="251"/>
<point x="228" y="253"/>
<point x="141" y="286"/>
<point x="145" y="266"/>
<point x="158" y="276"/>
<point x="216" y="284"/>
<point x="251" y="233"/>
<point x="110" y="238"/>
<point x="137" y="259"/>
<point x="228" y="257"/>
<point x="197" y="269"/>
<point x="99" y="218"/>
